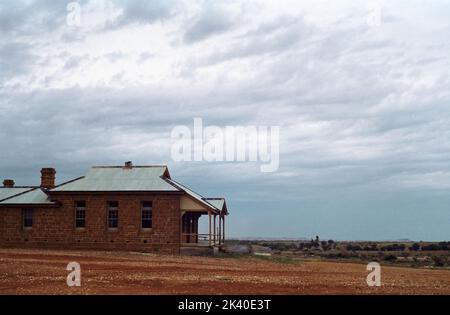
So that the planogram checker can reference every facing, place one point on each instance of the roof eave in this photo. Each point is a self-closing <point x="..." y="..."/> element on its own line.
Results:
<point x="30" y="205"/>
<point x="60" y="192"/>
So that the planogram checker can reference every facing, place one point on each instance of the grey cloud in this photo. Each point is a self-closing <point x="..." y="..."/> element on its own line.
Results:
<point x="145" y="56"/>
<point x="11" y="15"/>
<point x="37" y="17"/>
<point x="277" y="23"/>
<point x="57" y="126"/>
<point x="210" y="21"/>
<point x="75" y="61"/>
<point x="272" y="37"/>
<point x="142" y="12"/>
<point x="115" y="56"/>
<point x="15" y="59"/>
<point x="31" y="17"/>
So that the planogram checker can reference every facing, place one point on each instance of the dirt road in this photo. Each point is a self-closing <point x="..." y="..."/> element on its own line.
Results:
<point x="44" y="272"/>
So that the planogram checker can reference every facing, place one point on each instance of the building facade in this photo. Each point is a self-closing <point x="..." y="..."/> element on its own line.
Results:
<point x="139" y="208"/>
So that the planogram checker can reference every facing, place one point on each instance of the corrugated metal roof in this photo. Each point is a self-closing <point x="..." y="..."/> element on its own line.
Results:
<point x="217" y="202"/>
<point x="9" y="192"/>
<point x="34" y="196"/>
<point x="117" y="178"/>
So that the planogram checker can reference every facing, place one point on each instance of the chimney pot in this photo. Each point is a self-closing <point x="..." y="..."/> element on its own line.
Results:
<point x="8" y="183"/>
<point x="48" y="177"/>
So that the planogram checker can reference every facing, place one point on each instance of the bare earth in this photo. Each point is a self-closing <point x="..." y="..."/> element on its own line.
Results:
<point x="27" y="271"/>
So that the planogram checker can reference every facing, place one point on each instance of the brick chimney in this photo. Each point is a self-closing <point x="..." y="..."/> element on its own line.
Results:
<point x="8" y="183"/>
<point x="48" y="178"/>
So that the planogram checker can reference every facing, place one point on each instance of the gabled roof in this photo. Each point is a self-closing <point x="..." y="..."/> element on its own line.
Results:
<point x="196" y="196"/>
<point x="9" y="192"/>
<point x="118" y="178"/>
<point x="219" y="203"/>
<point x="34" y="196"/>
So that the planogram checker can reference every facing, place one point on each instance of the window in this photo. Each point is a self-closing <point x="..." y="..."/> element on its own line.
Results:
<point x="146" y="215"/>
<point x="80" y="214"/>
<point x="113" y="214"/>
<point x="27" y="218"/>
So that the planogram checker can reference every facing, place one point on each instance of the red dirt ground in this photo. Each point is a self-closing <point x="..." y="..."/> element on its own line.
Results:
<point x="29" y="271"/>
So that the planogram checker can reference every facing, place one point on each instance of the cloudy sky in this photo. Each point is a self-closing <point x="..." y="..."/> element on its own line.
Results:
<point x="360" y="90"/>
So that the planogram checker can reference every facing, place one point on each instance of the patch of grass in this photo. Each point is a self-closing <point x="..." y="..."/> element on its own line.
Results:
<point x="279" y="259"/>
<point x="222" y="255"/>
<point x="273" y="258"/>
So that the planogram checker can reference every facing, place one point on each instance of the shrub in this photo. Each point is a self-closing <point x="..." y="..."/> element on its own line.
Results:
<point x="390" y="257"/>
<point x="431" y="247"/>
<point x="307" y="245"/>
<point x="439" y="261"/>
<point x="444" y="245"/>
<point x="393" y="247"/>
<point x="279" y="246"/>
<point x="415" y="247"/>
<point x="353" y="247"/>
<point x="371" y="247"/>
<point x="340" y="255"/>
